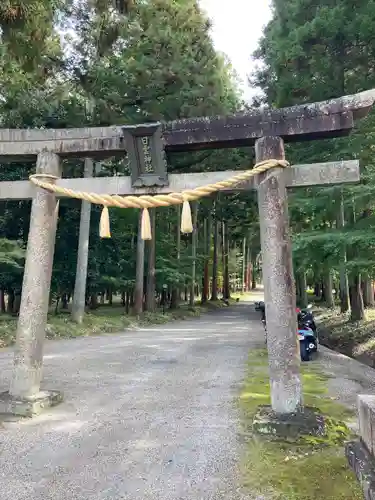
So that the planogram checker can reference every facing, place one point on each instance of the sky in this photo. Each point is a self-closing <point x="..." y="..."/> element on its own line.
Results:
<point x="237" y="27"/>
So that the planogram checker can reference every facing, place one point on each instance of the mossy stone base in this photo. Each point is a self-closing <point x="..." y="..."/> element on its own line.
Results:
<point x="10" y="406"/>
<point x="363" y="465"/>
<point x="307" y="422"/>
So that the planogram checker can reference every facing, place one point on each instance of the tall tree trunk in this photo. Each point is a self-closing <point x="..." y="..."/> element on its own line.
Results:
<point x="10" y="305"/>
<point x="64" y="301"/>
<point x="214" y="260"/>
<point x="2" y="301"/>
<point x="356" y="298"/>
<point x="128" y="296"/>
<point x="244" y="265"/>
<point x="344" y="285"/>
<point x="368" y="293"/>
<point x="175" y="296"/>
<point x="298" y="288"/>
<point x="17" y="302"/>
<point x="206" y="275"/>
<point x="253" y="277"/>
<point x="193" y="253"/>
<point x="328" y="291"/>
<point x="318" y="290"/>
<point x="150" y="300"/>
<point x="140" y="267"/>
<point x="302" y="289"/>
<point x="357" y="308"/>
<point x="226" y="283"/>
<point x="248" y="271"/>
<point x="222" y="227"/>
<point x="94" y="301"/>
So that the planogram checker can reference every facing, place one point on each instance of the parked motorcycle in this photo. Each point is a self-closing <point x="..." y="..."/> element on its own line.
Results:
<point x="307" y="331"/>
<point x="307" y="342"/>
<point x="306" y="317"/>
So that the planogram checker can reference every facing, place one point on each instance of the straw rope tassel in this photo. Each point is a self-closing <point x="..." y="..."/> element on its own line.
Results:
<point x="160" y="200"/>
<point x="186" y="218"/>
<point x="104" y="227"/>
<point x="146" y="225"/>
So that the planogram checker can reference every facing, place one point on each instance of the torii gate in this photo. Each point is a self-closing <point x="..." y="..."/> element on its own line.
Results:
<point x="145" y="144"/>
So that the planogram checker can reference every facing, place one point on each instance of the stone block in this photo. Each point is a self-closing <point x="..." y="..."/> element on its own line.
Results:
<point x="362" y="463"/>
<point x="10" y="406"/>
<point x="307" y="422"/>
<point x="366" y="414"/>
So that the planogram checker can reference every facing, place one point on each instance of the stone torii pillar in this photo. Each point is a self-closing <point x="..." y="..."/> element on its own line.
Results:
<point x="79" y="296"/>
<point x="279" y="288"/>
<point x="24" y="397"/>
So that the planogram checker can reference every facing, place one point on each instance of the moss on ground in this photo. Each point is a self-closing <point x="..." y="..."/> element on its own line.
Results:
<point x="312" y="468"/>
<point x="106" y="319"/>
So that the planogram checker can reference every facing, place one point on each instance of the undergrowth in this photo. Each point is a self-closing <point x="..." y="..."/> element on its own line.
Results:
<point x="311" y="468"/>
<point x="353" y="338"/>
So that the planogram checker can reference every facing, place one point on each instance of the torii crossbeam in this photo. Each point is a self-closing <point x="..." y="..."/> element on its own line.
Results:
<point x="145" y="145"/>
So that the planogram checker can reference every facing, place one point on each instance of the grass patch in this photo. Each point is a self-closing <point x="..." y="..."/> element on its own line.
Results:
<point x="106" y="319"/>
<point x="312" y="468"/>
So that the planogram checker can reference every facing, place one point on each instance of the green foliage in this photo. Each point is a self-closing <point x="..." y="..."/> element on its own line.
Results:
<point x="73" y="64"/>
<point x="12" y="256"/>
<point x="312" y="52"/>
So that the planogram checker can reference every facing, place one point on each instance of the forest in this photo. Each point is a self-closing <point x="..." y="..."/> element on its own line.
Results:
<point x="101" y="63"/>
<point x="312" y="52"/>
<point x="105" y="62"/>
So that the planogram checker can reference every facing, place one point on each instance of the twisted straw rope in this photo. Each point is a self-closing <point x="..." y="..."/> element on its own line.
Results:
<point x="159" y="200"/>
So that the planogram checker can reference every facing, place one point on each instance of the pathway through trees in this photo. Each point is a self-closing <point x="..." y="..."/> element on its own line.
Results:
<point x="151" y="414"/>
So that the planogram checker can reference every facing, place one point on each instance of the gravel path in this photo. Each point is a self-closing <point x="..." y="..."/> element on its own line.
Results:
<point x="148" y="414"/>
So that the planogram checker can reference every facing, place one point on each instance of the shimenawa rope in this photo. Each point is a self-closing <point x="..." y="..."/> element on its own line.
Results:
<point x="160" y="200"/>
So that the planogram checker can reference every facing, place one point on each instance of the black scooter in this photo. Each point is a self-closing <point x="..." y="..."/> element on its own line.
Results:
<point x="307" y="330"/>
<point x="306" y="317"/>
<point x="308" y="342"/>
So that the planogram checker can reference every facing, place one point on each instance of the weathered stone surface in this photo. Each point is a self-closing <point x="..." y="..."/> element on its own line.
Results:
<point x="296" y="176"/>
<point x="28" y="407"/>
<point x="362" y="463"/>
<point x="366" y="414"/>
<point x="244" y="130"/>
<point x="304" y="122"/>
<point x="145" y="147"/>
<point x="307" y="422"/>
<point x="78" y="305"/>
<point x="320" y="174"/>
<point x="279" y="289"/>
<point x="28" y="357"/>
